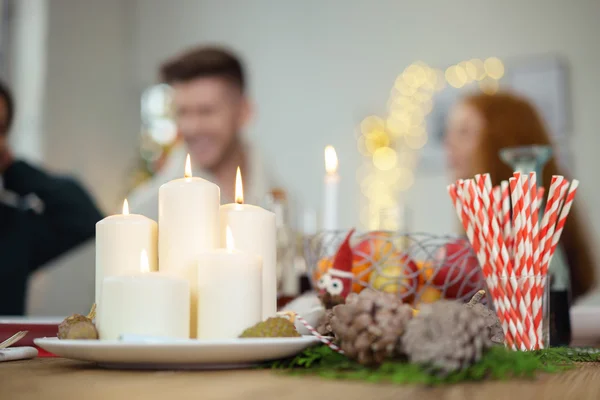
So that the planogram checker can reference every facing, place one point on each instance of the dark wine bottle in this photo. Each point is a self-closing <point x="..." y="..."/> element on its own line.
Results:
<point x="560" y="318"/>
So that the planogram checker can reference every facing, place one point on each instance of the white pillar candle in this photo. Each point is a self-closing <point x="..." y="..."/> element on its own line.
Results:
<point x="253" y="230"/>
<point x="188" y="212"/>
<point x="144" y="303"/>
<point x="229" y="292"/>
<point x="119" y="241"/>
<point x="331" y="188"/>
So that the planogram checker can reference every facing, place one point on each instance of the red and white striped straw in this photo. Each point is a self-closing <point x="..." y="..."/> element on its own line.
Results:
<point x="545" y="234"/>
<point x="501" y="262"/>
<point x="556" y="200"/>
<point x="497" y="204"/>
<point x="514" y="250"/>
<point x="519" y="246"/>
<point x="551" y="207"/>
<point x="526" y="214"/>
<point x="505" y="220"/>
<point x="534" y="221"/>
<point x="482" y="256"/>
<point x="562" y="219"/>
<point x="504" y="309"/>
<point x="527" y="282"/>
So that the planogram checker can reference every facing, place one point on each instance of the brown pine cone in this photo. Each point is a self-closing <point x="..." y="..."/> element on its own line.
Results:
<point x="491" y="318"/>
<point x="369" y="325"/>
<point x="446" y="336"/>
<point x="324" y="325"/>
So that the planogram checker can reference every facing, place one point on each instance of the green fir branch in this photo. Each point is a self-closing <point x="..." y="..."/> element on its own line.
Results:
<point x="498" y="363"/>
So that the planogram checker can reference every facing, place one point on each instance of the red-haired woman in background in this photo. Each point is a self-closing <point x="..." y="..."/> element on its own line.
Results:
<point x="481" y="125"/>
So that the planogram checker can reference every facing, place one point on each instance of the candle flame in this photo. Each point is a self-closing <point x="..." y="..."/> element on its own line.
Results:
<point x="188" y="167"/>
<point x="125" y="207"/>
<point x="144" y="264"/>
<point x="229" y="243"/>
<point x="331" y="160"/>
<point x="239" y="188"/>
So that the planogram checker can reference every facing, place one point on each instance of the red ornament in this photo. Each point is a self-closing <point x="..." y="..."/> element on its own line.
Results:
<point x="337" y="281"/>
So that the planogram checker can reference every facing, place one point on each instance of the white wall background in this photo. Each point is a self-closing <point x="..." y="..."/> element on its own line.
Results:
<point x="316" y="69"/>
<point x="319" y="67"/>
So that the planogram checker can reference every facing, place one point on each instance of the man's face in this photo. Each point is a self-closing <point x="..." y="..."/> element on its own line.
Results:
<point x="209" y="113"/>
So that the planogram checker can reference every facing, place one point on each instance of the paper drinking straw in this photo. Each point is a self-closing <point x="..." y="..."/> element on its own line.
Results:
<point x="545" y="234"/>
<point x="508" y="298"/>
<point x="562" y="219"/>
<point x="526" y="213"/>
<point x="527" y="285"/>
<point x="534" y="221"/>
<point x="497" y="204"/>
<point x="458" y="196"/>
<point x="552" y="219"/>
<point x="481" y="256"/>
<point x="519" y="249"/>
<point x="483" y="185"/>
<point x="505" y="220"/>
<point x="551" y="203"/>
<point x="493" y="239"/>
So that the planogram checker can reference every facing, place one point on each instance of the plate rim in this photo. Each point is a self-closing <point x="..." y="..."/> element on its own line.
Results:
<point x="175" y="342"/>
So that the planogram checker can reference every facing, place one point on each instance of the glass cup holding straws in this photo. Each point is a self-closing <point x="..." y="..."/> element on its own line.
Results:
<point x="515" y="247"/>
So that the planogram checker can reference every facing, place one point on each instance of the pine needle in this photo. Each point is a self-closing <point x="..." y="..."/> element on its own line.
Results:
<point x="498" y="363"/>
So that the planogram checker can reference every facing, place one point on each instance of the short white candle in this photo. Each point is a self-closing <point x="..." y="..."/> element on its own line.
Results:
<point x="145" y="303"/>
<point x="188" y="216"/>
<point x="331" y="188"/>
<point x="229" y="292"/>
<point x="253" y="230"/>
<point x="119" y="240"/>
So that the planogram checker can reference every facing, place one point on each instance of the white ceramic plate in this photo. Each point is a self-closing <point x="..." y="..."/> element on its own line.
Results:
<point x="177" y="354"/>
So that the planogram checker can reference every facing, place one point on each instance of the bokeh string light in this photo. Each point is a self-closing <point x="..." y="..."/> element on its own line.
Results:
<point x="391" y="144"/>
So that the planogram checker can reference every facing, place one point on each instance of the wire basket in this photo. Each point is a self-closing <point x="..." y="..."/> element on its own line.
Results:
<point x="418" y="267"/>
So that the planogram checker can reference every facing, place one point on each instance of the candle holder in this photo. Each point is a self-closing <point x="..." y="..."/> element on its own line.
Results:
<point x="417" y="267"/>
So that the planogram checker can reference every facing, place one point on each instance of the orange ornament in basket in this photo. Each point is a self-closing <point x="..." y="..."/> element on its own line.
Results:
<point x="428" y="295"/>
<point x="389" y="269"/>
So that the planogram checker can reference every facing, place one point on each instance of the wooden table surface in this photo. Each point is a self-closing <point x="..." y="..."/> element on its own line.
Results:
<point x="56" y="378"/>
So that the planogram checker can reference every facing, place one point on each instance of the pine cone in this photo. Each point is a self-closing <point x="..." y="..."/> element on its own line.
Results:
<point x="446" y="336"/>
<point x="491" y="318"/>
<point x="369" y="325"/>
<point x="324" y="326"/>
<point x="329" y="301"/>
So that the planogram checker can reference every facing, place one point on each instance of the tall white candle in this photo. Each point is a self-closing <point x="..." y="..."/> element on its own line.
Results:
<point x="332" y="182"/>
<point x="119" y="241"/>
<point x="229" y="292"/>
<point x="253" y="230"/>
<point x="144" y="303"/>
<point x="188" y="213"/>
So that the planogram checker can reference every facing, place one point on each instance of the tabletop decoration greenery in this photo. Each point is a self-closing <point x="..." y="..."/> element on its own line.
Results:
<point x="498" y="363"/>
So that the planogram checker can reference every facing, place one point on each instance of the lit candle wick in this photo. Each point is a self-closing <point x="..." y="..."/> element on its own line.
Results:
<point x="331" y="160"/>
<point x="188" y="167"/>
<point x="125" y="207"/>
<point x="239" y="189"/>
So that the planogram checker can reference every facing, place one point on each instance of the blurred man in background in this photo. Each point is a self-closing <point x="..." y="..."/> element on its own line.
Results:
<point x="41" y="217"/>
<point x="211" y="110"/>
